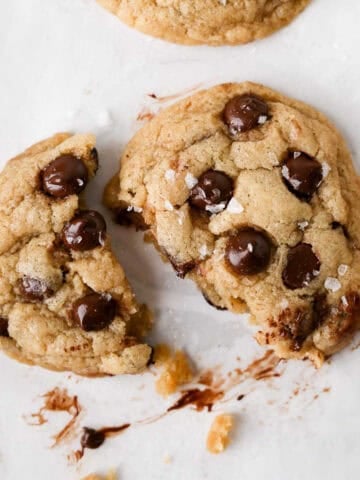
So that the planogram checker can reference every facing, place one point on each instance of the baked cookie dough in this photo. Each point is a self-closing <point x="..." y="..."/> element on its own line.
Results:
<point x="254" y="196"/>
<point x="65" y="303"/>
<point x="211" y="22"/>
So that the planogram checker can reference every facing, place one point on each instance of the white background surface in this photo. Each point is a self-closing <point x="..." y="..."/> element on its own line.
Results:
<point x="68" y="64"/>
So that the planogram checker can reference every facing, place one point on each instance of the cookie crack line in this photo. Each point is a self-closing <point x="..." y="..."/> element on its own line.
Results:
<point x="65" y="303"/>
<point x="267" y="206"/>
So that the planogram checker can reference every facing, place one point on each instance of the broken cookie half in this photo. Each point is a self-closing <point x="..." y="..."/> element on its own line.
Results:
<point x="65" y="303"/>
<point x="254" y="196"/>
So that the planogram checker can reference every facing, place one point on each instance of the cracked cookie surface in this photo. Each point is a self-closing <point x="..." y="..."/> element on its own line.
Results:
<point x="254" y="196"/>
<point x="212" y="22"/>
<point x="65" y="303"/>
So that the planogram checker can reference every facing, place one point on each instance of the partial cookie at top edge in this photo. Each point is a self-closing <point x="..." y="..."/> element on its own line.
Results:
<point x="212" y="22"/>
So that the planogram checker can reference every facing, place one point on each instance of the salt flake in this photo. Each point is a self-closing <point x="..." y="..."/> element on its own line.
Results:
<point x="215" y="208"/>
<point x="168" y="206"/>
<point x="170" y="175"/>
<point x="234" y="206"/>
<point x="332" y="284"/>
<point x="284" y="303"/>
<point x="342" y="269"/>
<point x="134" y="208"/>
<point x="325" y="169"/>
<point x="203" y="251"/>
<point x="190" y="180"/>
<point x="303" y="225"/>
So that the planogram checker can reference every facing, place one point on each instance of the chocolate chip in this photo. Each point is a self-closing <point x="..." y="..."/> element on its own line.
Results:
<point x="66" y="175"/>
<point x="95" y="158"/>
<point x="94" y="311"/>
<point x="207" y="300"/>
<point x="151" y="360"/>
<point x="34" y="289"/>
<point x="213" y="189"/>
<point x="302" y="266"/>
<point x="182" y="269"/>
<point x="92" y="438"/>
<point x="87" y="230"/>
<point x="245" y="112"/>
<point x="4" y="325"/>
<point x="302" y="174"/>
<point x="248" y="252"/>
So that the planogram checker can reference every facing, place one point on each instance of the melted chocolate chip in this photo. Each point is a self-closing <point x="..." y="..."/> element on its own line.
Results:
<point x="248" y="252"/>
<point x="34" y="289"/>
<point x="4" y="325"/>
<point x="95" y="158"/>
<point x="85" y="231"/>
<point x="66" y="175"/>
<point x="302" y="266"/>
<point x="207" y="300"/>
<point x="182" y="269"/>
<point x="302" y="174"/>
<point x="92" y="438"/>
<point x="94" y="311"/>
<point x="151" y="360"/>
<point x="336" y="225"/>
<point x="245" y="112"/>
<point x="213" y="188"/>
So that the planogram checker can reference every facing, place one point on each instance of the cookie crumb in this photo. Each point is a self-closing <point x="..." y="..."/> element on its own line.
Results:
<point x="176" y="370"/>
<point x="111" y="475"/>
<point x="167" y="459"/>
<point x="218" y="436"/>
<point x="215" y="208"/>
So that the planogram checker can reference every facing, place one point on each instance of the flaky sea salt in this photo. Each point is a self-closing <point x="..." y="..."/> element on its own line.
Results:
<point x="170" y="175"/>
<point x="262" y="119"/>
<point x="284" y="303"/>
<point x="342" y="269"/>
<point x="286" y="174"/>
<point x="203" y="251"/>
<point x="190" y="180"/>
<point x="303" y="225"/>
<point x="325" y="169"/>
<point x="332" y="284"/>
<point x="234" y="206"/>
<point x="344" y="301"/>
<point x="168" y="206"/>
<point x="134" y="208"/>
<point x="215" y="208"/>
<point x="181" y="216"/>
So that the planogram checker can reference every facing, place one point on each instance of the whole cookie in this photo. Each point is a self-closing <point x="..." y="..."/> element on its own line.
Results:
<point x="211" y="22"/>
<point x="65" y="303"/>
<point x="254" y="196"/>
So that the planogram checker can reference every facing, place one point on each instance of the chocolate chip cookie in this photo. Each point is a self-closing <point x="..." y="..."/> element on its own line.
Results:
<point x="254" y="196"/>
<point x="211" y="22"/>
<point x="65" y="303"/>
